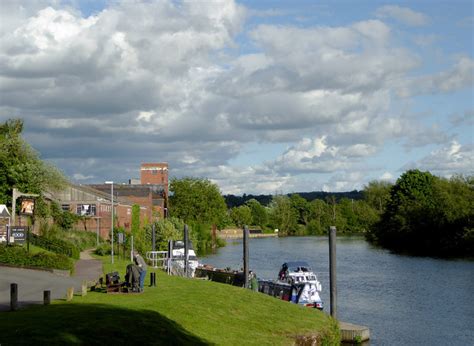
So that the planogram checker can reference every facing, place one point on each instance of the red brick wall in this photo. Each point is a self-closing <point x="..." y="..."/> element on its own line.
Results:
<point x="154" y="173"/>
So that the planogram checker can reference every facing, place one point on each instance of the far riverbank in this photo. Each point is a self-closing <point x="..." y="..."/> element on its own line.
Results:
<point x="237" y="233"/>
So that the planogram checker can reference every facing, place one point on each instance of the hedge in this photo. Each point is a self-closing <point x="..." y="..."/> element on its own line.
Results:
<point x="19" y="256"/>
<point x="56" y="245"/>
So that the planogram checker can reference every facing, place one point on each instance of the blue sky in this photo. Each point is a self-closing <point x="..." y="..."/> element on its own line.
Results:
<point x="258" y="96"/>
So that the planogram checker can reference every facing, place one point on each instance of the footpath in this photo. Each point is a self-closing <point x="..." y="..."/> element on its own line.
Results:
<point x="32" y="282"/>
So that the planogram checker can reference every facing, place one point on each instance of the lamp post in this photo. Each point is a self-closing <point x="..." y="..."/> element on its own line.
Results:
<point x="112" y="213"/>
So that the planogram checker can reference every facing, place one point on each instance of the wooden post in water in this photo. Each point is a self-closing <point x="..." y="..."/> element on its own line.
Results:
<point x="246" y="256"/>
<point x="332" y="270"/>
<point x="46" y="297"/>
<point x="13" y="297"/>
<point x="186" y="250"/>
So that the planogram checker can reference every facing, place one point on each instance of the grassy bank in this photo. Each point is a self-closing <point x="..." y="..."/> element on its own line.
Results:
<point x="177" y="311"/>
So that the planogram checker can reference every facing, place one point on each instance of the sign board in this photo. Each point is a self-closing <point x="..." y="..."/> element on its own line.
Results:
<point x="19" y="234"/>
<point x="121" y="238"/>
<point x="27" y="206"/>
<point x="3" y="233"/>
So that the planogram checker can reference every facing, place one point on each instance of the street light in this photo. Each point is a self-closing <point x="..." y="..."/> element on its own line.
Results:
<point x="112" y="213"/>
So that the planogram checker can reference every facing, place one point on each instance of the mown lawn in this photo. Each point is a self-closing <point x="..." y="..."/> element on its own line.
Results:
<point x="177" y="311"/>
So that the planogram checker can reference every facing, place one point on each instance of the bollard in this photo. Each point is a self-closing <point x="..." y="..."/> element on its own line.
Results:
<point x="84" y="288"/>
<point x="13" y="297"/>
<point x="70" y="294"/>
<point x="46" y="297"/>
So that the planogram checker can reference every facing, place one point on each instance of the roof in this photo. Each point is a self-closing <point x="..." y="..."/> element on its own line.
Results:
<point x="4" y="211"/>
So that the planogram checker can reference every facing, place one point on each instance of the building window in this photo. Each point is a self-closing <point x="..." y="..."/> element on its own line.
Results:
<point x="65" y="207"/>
<point x="86" y="209"/>
<point x="154" y="172"/>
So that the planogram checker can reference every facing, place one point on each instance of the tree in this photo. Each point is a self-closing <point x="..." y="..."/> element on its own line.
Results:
<point x="427" y="215"/>
<point x="21" y="167"/>
<point x="135" y="219"/>
<point x="197" y="200"/>
<point x="259" y="213"/>
<point x="377" y="194"/>
<point x="241" y="215"/>
<point x="319" y="217"/>
<point x="283" y="216"/>
<point x="301" y="207"/>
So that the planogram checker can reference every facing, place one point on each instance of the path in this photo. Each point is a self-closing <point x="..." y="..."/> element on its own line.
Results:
<point x="32" y="283"/>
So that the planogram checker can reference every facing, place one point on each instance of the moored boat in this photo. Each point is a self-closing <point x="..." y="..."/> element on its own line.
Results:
<point x="296" y="283"/>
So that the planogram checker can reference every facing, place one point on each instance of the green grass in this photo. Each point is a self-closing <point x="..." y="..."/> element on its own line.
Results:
<point x="177" y="311"/>
<point x="36" y="249"/>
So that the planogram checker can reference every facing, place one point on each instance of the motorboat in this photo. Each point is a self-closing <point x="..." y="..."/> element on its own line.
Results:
<point x="178" y="255"/>
<point x="296" y="283"/>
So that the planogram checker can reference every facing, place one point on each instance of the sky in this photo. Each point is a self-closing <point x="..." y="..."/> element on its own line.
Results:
<point x="260" y="97"/>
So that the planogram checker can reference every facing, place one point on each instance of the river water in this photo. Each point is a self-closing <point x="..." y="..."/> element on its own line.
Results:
<point x="403" y="300"/>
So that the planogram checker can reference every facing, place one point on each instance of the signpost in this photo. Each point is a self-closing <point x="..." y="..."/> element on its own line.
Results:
<point x="19" y="234"/>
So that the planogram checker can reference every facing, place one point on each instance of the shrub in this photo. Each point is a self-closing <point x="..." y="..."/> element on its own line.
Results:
<point x="19" y="256"/>
<point x="103" y="249"/>
<point x="56" y="245"/>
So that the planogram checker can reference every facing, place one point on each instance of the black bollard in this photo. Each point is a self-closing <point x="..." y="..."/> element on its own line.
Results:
<point x="46" y="297"/>
<point x="13" y="297"/>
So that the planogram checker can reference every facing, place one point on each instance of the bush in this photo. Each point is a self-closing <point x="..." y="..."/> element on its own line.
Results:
<point x="19" y="256"/>
<point x="103" y="249"/>
<point x="81" y="239"/>
<point x="56" y="245"/>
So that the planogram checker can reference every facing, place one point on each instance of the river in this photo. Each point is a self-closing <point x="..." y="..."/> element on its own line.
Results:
<point x="403" y="300"/>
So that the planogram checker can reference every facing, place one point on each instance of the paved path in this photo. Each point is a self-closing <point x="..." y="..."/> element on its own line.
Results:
<point x="32" y="283"/>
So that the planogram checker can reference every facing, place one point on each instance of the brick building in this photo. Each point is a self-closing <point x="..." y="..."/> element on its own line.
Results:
<point x="95" y="207"/>
<point x="154" y="174"/>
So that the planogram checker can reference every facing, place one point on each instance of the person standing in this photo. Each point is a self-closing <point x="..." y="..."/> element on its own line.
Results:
<point x="140" y="262"/>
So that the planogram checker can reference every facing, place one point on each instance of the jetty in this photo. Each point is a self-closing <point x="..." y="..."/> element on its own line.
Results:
<point x="353" y="333"/>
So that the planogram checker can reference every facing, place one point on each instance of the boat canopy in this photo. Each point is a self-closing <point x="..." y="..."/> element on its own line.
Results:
<point x="179" y="244"/>
<point x="297" y="266"/>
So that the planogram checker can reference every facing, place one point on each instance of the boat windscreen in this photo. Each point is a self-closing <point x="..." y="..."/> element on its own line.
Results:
<point x="297" y="266"/>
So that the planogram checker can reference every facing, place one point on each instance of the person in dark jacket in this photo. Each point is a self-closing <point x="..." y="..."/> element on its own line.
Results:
<point x="140" y="262"/>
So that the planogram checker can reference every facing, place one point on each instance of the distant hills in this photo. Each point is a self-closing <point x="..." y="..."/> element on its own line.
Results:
<point x="235" y="201"/>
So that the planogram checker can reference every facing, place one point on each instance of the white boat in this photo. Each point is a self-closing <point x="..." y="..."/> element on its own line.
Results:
<point x="177" y="258"/>
<point x="296" y="283"/>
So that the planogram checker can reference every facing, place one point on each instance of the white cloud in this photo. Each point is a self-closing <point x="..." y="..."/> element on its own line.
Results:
<point x="386" y="176"/>
<point x="459" y="76"/>
<point x="402" y="14"/>
<point x="447" y="160"/>
<point x="184" y="82"/>
<point x="80" y="176"/>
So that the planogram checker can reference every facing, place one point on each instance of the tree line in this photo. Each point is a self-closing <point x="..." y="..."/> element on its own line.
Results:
<point x="420" y="213"/>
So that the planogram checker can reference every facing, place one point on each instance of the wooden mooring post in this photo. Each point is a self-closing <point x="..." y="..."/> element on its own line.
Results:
<point x="246" y="256"/>
<point x="332" y="271"/>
